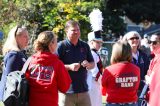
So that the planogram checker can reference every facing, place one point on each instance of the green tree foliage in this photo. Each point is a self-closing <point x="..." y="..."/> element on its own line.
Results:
<point x="8" y="15"/>
<point x="113" y="18"/>
<point x="40" y="15"/>
<point x="66" y="11"/>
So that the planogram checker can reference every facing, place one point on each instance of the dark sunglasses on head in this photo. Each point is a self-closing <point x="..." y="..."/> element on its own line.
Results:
<point x="153" y="42"/>
<point x="18" y="26"/>
<point x="134" y="38"/>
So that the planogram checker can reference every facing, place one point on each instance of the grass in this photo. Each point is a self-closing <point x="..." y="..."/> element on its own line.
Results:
<point x="103" y="100"/>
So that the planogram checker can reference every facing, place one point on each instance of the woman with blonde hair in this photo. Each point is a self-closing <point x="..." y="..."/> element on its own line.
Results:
<point x="13" y="51"/>
<point x="46" y="74"/>
<point x="120" y="80"/>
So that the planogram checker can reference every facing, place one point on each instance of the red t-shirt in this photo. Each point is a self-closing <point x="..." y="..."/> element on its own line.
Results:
<point x="46" y="75"/>
<point x="121" y="82"/>
<point x="154" y="99"/>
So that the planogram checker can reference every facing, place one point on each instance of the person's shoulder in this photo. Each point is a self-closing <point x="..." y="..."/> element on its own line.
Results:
<point x="111" y="66"/>
<point x="143" y="54"/>
<point x="122" y="64"/>
<point x="54" y="56"/>
<point x="12" y="53"/>
<point x="83" y="42"/>
<point x="134" y="67"/>
<point x="109" y="69"/>
<point x="16" y="54"/>
<point x="62" y="43"/>
<point x="56" y="59"/>
<point x="94" y="53"/>
<point x="11" y="56"/>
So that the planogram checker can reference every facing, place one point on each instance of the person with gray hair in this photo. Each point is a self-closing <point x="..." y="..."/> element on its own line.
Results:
<point x="13" y="51"/>
<point x="139" y="58"/>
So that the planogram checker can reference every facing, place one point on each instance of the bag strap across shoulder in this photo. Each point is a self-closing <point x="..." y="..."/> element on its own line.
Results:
<point x="26" y="64"/>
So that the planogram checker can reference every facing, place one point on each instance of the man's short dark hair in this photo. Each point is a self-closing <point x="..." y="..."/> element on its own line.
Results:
<point x="71" y="23"/>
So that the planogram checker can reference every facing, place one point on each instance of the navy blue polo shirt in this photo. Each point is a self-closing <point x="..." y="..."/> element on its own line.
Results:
<point x="69" y="54"/>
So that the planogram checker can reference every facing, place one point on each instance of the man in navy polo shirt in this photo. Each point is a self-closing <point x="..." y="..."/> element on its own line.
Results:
<point x="77" y="57"/>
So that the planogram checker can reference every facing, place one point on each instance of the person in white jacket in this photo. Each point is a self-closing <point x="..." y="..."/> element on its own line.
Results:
<point x="94" y="75"/>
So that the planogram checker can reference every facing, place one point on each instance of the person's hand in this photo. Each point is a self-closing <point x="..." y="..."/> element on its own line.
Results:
<point x="148" y="79"/>
<point x="74" y="66"/>
<point x="85" y="64"/>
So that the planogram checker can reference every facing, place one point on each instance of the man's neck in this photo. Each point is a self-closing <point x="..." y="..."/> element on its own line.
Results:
<point x="74" y="42"/>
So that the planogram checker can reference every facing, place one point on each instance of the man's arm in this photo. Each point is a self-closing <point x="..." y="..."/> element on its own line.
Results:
<point x="73" y="66"/>
<point x="76" y="66"/>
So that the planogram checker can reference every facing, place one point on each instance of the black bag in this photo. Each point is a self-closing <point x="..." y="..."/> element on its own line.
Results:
<point x="16" y="89"/>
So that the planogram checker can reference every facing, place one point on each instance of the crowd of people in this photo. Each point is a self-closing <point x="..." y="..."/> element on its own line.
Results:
<point x="70" y="72"/>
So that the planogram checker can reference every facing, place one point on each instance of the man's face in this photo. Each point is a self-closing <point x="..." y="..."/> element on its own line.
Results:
<point x="73" y="32"/>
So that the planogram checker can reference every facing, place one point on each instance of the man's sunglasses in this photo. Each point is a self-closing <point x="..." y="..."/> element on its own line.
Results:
<point x="153" y="42"/>
<point x="137" y="38"/>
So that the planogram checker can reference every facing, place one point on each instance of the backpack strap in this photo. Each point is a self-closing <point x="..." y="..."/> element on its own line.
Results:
<point x="26" y="64"/>
<point x="99" y="65"/>
<point x="63" y="47"/>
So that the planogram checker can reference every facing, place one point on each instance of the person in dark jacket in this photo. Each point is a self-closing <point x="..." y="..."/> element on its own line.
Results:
<point x="77" y="57"/>
<point x="140" y="58"/>
<point x="13" y="51"/>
